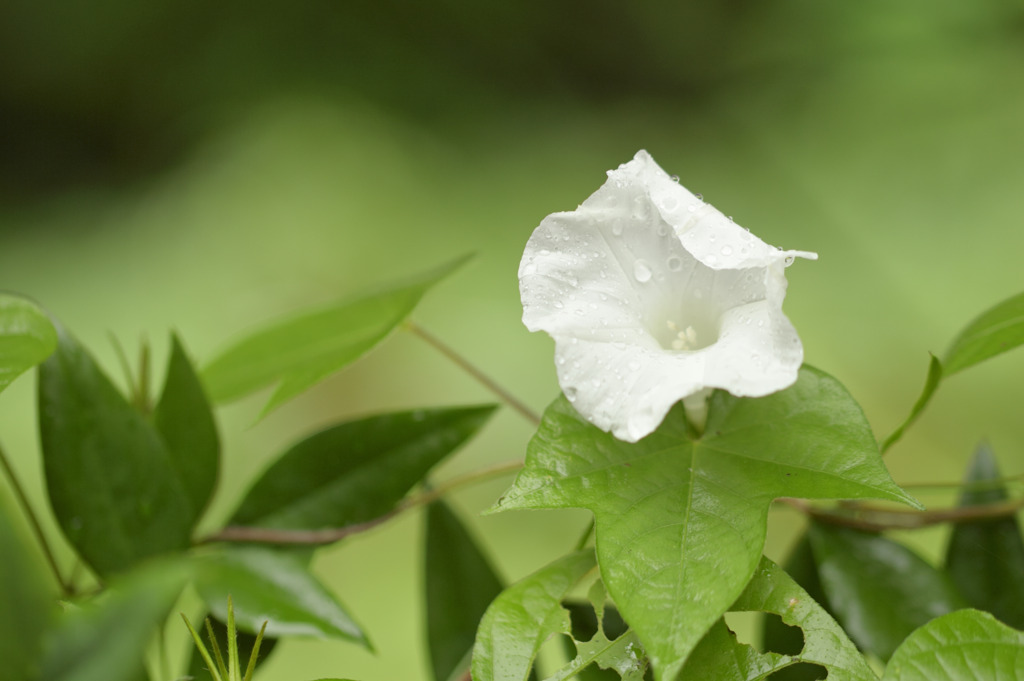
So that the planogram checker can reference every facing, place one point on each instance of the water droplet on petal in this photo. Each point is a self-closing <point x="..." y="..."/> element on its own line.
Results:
<point x="726" y="250"/>
<point x="675" y="178"/>
<point x="617" y="228"/>
<point x="670" y="203"/>
<point x="700" y="197"/>
<point x="642" y="271"/>
<point x="675" y="263"/>
<point x="559" y="305"/>
<point x="570" y="394"/>
<point x="789" y="260"/>
<point x="692" y="208"/>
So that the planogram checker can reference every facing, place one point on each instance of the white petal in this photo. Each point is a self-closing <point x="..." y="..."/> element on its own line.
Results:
<point x="651" y="296"/>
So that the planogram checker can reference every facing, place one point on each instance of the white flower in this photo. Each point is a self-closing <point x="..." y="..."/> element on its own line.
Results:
<point x="653" y="296"/>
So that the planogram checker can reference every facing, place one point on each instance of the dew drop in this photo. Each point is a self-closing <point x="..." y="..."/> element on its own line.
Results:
<point x="670" y="203"/>
<point x="726" y="250"/>
<point x="675" y="178"/>
<point x="675" y="263"/>
<point x="559" y="305"/>
<point x="579" y="313"/>
<point x="561" y="360"/>
<point x="617" y="228"/>
<point x="711" y="259"/>
<point x="700" y="197"/>
<point x="570" y="394"/>
<point x="642" y="271"/>
<point x="692" y="208"/>
<point x="662" y="229"/>
<point x="789" y="260"/>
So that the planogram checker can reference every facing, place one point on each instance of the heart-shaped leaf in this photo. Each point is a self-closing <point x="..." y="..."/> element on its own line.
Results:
<point x="680" y="519"/>
<point x="27" y="337"/>
<point x="299" y="352"/>
<point x="720" y="657"/>
<point x="967" y="645"/>
<point x="519" y="620"/>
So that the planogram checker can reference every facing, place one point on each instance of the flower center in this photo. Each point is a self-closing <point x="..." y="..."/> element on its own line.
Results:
<point x="685" y="339"/>
<point x="695" y="332"/>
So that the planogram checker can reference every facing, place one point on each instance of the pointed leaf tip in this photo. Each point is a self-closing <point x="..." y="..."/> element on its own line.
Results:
<point x="300" y="351"/>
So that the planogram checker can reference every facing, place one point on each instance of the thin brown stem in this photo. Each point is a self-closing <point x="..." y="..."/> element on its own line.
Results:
<point x="33" y="520"/>
<point x="877" y="519"/>
<point x="481" y="377"/>
<point x="266" y="535"/>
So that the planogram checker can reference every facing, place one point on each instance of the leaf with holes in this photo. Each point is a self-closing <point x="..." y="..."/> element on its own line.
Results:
<point x="356" y="471"/>
<point x="967" y="645"/>
<point x="995" y="331"/>
<point x="523" y="617"/>
<point x="985" y="558"/>
<point x="27" y="337"/>
<point x="879" y="590"/>
<point x="719" y="657"/>
<point x="680" y="519"/>
<point x="299" y="352"/>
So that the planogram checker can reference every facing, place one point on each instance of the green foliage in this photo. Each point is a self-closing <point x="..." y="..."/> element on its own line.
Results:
<point x="519" y="620"/>
<point x="680" y="519"/>
<point x="114" y="487"/>
<point x="27" y="608"/>
<point x="879" y="590"/>
<point x="270" y="585"/>
<point x="184" y="420"/>
<point x="966" y="645"/>
<point x="297" y="353"/>
<point x="719" y="657"/>
<point x="106" y="640"/>
<point x="27" y="337"/>
<point x="995" y="331"/>
<point x="985" y="558"/>
<point x="246" y="642"/>
<point x="356" y="471"/>
<point x="460" y="583"/>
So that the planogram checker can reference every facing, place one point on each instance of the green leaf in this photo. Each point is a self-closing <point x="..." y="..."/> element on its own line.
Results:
<point x="985" y="558"/>
<point x="966" y="645"/>
<point x="879" y="590"/>
<point x="931" y="384"/>
<point x="27" y="606"/>
<point x="273" y="586"/>
<point x="585" y="627"/>
<point x="106" y="641"/>
<point x="27" y="337"/>
<point x="299" y="352"/>
<point x="197" y="666"/>
<point x="112" y="485"/>
<point x="460" y="584"/>
<point x="995" y="331"/>
<point x="680" y="520"/>
<point x="356" y="471"/>
<point x="184" y="420"/>
<point x="719" y="657"/>
<point x="519" y="620"/>
<point x="780" y="638"/>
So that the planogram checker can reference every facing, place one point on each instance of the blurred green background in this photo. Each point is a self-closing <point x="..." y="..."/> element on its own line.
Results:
<point x="208" y="167"/>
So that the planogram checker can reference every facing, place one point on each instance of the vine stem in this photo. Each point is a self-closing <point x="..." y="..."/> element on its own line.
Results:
<point x="33" y="520"/>
<point x="877" y="519"/>
<point x="269" y="535"/>
<point x="480" y="376"/>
